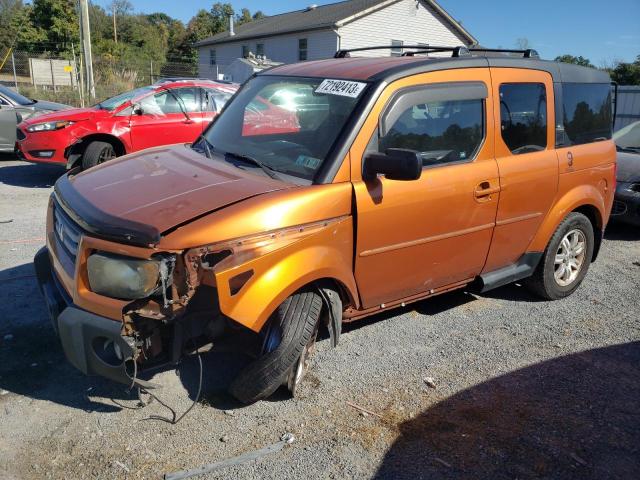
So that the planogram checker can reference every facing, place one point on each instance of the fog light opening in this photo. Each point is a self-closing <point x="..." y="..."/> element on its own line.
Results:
<point x="107" y="351"/>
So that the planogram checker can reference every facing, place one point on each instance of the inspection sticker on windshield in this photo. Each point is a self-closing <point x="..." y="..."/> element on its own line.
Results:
<point x="341" y="87"/>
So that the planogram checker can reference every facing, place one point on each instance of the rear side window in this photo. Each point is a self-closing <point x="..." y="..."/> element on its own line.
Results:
<point x="523" y="116"/>
<point x="587" y="112"/>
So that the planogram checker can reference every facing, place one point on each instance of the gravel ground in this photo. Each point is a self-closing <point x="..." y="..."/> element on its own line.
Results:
<point x="523" y="389"/>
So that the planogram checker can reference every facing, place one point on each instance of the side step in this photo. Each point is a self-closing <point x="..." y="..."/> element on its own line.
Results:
<point x="523" y="268"/>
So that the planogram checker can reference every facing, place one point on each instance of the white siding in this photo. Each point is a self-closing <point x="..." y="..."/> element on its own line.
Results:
<point x="279" y="48"/>
<point x="399" y="21"/>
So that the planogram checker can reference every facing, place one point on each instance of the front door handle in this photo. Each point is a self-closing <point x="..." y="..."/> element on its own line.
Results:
<point x="484" y="190"/>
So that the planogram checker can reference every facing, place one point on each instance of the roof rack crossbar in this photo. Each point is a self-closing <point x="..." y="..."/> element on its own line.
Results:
<point x="455" y="51"/>
<point x="526" y="53"/>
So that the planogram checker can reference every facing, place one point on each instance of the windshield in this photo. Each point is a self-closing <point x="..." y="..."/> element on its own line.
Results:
<point x="628" y="137"/>
<point x="114" y="102"/>
<point x="15" y="96"/>
<point x="287" y="124"/>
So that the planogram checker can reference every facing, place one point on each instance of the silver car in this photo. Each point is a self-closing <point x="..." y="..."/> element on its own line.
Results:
<point x="13" y="109"/>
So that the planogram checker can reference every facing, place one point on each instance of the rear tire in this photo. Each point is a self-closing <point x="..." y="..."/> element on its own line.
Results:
<point x="97" y="153"/>
<point x="296" y="319"/>
<point x="566" y="259"/>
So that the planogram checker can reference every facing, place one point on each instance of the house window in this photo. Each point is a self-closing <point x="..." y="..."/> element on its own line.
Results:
<point x="302" y="49"/>
<point x="212" y="57"/>
<point x="245" y="51"/>
<point x="396" y="48"/>
<point x="260" y="49"/>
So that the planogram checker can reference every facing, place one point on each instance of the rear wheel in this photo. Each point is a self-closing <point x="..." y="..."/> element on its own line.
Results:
<point x="97" y="153"/>
<point x="566" y="259"/>
<point x="288" y="339"/>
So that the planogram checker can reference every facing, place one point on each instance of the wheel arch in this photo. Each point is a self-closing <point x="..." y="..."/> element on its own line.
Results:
<point x="323" y="259"/>
<point x="585" y="199"/>
<point x="74" y="152"/>
<point x="593" y="214"/>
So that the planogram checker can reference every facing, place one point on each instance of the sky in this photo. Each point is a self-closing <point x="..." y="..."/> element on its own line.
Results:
<point x="601" y="31"/>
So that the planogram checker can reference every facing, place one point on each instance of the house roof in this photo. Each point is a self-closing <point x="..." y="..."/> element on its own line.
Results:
<point x="332" y="15"/>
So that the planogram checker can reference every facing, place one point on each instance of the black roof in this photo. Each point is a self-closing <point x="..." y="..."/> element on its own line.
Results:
<point x="560" y="72"/>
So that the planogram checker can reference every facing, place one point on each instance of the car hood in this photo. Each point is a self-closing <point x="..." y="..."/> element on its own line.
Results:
<point x="73" y="114"/>
<point x="138" y="197"/>
<point x="628" y="167"/>
<point x="52" y="106"/>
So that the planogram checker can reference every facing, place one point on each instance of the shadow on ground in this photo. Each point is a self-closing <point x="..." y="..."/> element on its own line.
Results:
<point x="573" y="417"/>
<point x="622" y="232"/>
<point x="30" y="175"/>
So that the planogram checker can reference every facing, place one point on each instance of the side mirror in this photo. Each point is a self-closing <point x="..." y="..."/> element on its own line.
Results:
<point x="137" y="110"/>
<point x="395" y="164"/>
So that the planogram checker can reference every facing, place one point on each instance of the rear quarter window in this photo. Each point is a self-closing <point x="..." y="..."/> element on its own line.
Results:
<point x="587" y="112"/>
<point x="523" y="117"/>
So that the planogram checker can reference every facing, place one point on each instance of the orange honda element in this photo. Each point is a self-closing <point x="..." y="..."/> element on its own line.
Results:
<point x="404" y="177"/>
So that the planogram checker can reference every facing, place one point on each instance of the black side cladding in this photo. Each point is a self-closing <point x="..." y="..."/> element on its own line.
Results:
<point x="99" y="223"/>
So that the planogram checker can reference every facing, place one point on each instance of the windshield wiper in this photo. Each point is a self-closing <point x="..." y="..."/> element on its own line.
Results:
<point x="270" y="171"/>
<point x="629" y="149"/>
<point x="207" y="146"/>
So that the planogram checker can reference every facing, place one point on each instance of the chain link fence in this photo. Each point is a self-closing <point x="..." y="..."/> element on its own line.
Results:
<point x="38" y="73"/>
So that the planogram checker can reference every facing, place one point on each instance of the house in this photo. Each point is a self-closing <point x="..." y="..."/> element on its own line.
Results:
<point x="317" y="32"/>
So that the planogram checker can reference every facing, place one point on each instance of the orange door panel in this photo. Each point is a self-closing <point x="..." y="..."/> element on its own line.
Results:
<point x="414" y="236"/>
<point x="528" y="181"/>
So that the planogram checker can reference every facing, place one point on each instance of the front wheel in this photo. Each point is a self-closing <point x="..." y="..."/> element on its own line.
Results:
<point x="97" y="153"/>
<point x="288" y="339"/>
<point x="566" y="259"/>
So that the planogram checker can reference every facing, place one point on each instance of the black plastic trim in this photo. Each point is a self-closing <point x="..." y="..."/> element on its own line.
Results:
<point x="78" y="331"/>
<point x="523" y="268"/>
<point x="342" y="145"/>
<point x="93" y="220"/>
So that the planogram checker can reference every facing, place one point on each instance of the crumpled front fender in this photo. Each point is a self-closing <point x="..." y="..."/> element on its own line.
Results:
<point x="327" y="254"/>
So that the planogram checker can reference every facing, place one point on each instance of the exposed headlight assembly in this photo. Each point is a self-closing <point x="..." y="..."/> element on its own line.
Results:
<point x="128" y="278"/>
<point x="49" y="126"/>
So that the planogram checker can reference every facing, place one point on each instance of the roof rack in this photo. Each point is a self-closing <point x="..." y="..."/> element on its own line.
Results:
<point x="458" y="51"/>
<point x="527" y="53"/>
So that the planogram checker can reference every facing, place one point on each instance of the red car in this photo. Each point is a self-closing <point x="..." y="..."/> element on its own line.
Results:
<point x="168" y="112"/>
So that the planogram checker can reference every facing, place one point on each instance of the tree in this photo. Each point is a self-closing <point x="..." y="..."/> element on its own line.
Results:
<point x="523" y="43"/>
<point x="119" y="8"/>
<point x="258" y="15"/>
<point x="220" y="12"/>
<point x="59" y="21"/>
<point x="244" y="17"/>
<point x="627" y="73"/>
<point x="583" y="62"/>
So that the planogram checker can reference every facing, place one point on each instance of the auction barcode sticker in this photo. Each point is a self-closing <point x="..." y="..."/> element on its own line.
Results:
<point x="341" y="87"/>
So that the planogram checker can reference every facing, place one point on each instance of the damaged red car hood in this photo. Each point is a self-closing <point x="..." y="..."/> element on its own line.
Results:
<point x="156" y="190"/>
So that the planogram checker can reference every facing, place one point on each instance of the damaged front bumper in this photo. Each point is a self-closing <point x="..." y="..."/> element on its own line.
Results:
<point x="93" y="344"/>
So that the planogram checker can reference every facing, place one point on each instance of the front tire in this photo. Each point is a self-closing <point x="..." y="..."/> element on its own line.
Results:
<point x="566" y="259"/>
<point x="97" y="153"/>
<point x="288" y="337"/>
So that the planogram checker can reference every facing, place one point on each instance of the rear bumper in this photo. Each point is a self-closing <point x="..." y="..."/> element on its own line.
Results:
<point x="93" y="344"/>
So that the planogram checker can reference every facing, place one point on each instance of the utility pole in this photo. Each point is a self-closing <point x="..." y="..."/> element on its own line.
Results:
<point x="85" y="35"/>
<point x="115" y="29"/>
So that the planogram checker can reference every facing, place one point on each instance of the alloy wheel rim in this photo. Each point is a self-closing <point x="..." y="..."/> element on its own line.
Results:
<point x="570" y="257"/>
<point x="105" y="155"/>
